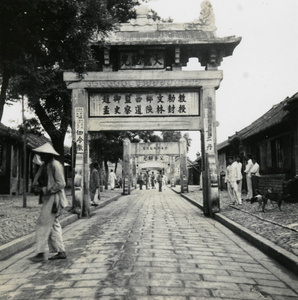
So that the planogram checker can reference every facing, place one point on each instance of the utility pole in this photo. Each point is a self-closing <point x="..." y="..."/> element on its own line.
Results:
<point x="25" y="156"/>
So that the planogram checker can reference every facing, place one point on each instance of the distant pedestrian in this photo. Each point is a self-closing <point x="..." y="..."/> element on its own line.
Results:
<point x="255" y="176"/>
<point x="48" y="229"/>
<point x="112" y="179"/>
<point x="147" y="178"/>
<point x="230" y="179"/>
<point x="140" y="181"/>
<point x="247" y="171"/>
<point x="239" y="177"/>
<point x="159" y="181"/>
<point x="164" y="180"/>
<point x="153" y="180"/>
<point x="94" y="183"/>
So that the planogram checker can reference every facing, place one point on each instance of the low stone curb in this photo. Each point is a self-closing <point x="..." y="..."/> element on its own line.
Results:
<point x="284" y="257"/>
<point x="27" y="241"/>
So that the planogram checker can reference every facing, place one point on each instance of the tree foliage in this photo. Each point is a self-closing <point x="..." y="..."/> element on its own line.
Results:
<point x="108" y="145"/>
<point x="41" y="38"/>
<point x="175" y="136"/>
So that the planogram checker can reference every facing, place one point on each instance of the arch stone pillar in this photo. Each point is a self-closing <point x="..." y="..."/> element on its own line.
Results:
<point x="209" y="151"/>
<point x="80" y="135"/>
<point x="183" y="165"/>
<point x="126" y="167"/>
<point x="172" y="171"/>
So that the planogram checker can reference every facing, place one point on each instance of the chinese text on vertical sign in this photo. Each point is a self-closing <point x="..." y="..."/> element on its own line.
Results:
<point x="208" y="124"/>
<point x="144" y="104"/>
<point x="79" y="134"/>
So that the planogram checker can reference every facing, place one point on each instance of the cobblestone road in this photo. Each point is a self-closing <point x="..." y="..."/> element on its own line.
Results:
<point x="264" y="224"/>
<point x="149" y="245"/>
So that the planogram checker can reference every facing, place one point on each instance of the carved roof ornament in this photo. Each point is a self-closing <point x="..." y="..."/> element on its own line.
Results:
<point x="206" y="18"/>
<point x="142" y="19"/>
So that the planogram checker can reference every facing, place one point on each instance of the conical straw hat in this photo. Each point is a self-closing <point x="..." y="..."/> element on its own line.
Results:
<point x="46" y="148"/>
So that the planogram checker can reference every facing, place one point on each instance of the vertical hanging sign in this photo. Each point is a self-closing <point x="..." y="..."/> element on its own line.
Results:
<point x="208" y="126"/>
<point x="79" y="130"/>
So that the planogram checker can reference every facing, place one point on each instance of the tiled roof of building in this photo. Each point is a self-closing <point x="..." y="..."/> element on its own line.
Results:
<point x="33" y="140"/>
<point x="9" y="132"/>
<point x="271" y="118"/>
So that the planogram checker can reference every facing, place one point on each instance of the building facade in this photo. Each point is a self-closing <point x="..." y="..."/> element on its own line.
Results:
<point x="273" y="140"/>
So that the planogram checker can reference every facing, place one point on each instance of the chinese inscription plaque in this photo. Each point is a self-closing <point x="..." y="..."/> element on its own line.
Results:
<point x="144" y="104"/>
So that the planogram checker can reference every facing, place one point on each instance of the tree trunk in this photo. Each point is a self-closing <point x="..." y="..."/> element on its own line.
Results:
<point x="57" y="136"/>
<point x="4" y="86"/>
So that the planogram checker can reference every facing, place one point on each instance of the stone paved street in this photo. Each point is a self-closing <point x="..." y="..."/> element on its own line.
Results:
<point x="149" y="245"/>
<point x="279" y="227"/>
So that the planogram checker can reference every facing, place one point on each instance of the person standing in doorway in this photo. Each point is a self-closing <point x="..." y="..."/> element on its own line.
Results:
<point x="112" y="179"/>
<point x="94" y="182"/>
<point x="48" y="229"/>
<point x="247" y="172"/>
<point x="255" y="176"/>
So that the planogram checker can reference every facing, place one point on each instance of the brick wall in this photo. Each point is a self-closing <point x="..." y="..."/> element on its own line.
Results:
<point x="273" y="181"/>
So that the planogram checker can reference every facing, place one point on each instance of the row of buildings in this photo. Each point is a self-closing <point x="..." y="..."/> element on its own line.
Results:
<point x="12" y="160"/>
<point x="273" y="139"/>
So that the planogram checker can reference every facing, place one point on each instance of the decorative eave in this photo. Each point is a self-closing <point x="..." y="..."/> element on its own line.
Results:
<point x="177" y="37"/>
<point x="197" y="38"/>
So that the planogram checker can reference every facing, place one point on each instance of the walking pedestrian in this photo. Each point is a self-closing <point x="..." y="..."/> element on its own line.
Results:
<point x="164" y="180"/>
<point x="48" y="229"/>
<point x="112" y="179"/>
<point x="153" y="180"/>
<point x="159" y="181"/>
<point x="247" y="171"/>
<point x="140" y="180"/>
<point x="147" y="180"/>
<point x="94" y="183"/>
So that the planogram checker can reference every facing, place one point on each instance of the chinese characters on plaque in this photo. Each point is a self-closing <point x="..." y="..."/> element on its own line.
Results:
<point x="146" y="59"/>
<point x="154" y="158"/>
<point x="144" y="104"/>
<point x="79" y="134"/>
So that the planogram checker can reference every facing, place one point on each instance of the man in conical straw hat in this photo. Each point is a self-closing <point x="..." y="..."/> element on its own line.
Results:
<point x="50" y="178"/>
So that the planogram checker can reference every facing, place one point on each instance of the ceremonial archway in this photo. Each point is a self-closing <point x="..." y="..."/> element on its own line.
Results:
<point x="140" y="85"/>
<point x="163" y="151"/>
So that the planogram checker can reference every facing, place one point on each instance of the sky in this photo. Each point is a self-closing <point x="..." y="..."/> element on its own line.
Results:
<point x="263" y="69"/>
